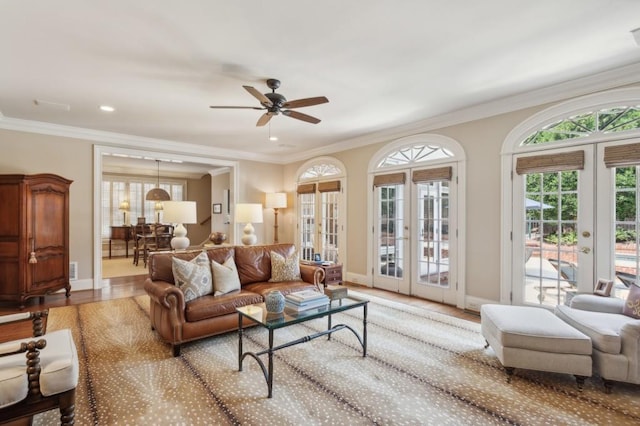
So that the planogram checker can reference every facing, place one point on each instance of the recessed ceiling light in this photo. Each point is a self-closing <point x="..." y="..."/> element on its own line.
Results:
<point x="273" y="138"/>
<point x="107" y="108"/>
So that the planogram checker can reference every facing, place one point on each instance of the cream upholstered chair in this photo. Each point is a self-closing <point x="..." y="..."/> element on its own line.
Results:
<point x="615" y="336"/>
<point x="38" y="373"/>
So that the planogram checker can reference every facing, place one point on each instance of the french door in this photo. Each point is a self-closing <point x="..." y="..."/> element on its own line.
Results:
<point x="415" y="233"/>
<point x="320" y="226"/>
<point x="554" y="225"/>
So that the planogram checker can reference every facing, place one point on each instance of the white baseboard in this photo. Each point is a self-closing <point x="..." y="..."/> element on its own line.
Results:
<point x="85" y="284"/>
<point x="358" y="279"/>
<point x="475" y="303"/>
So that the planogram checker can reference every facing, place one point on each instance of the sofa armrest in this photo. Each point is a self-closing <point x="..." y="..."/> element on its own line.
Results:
<point x="630" y="334"/>
<point x="168" y="296"/>
<point x="312" y="274"/>
<point x="595" y="303"/>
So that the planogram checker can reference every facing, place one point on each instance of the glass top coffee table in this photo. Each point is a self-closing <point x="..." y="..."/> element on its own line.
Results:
<point x="258" y="313"/>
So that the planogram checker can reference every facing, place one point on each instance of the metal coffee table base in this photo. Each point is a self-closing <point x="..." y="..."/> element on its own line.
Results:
<point x="268" y="371"/>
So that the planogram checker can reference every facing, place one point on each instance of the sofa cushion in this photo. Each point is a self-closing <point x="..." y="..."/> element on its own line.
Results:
<point x="603" y="328"/>
<point x="193" y="277"/>
<point x="254" y="262"/>
<point x="284" y="268"/>
<point x="225" y="277"/>
<point x="632" y="304"/>
<point x="210" y="306"/>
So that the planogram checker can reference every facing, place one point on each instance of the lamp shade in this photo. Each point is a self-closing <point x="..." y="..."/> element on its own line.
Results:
<point x="157" y="194"/>
<point x="248" y="213"/>
<point x="124" y="206"/>
<point x="276" y="200"/>
<point x="180" y="211"/>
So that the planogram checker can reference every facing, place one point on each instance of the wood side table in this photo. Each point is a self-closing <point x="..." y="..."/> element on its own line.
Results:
<point x="332" y="274"/>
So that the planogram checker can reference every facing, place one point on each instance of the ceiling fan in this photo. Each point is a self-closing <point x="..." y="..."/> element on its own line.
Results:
<point x="274" y="103"/>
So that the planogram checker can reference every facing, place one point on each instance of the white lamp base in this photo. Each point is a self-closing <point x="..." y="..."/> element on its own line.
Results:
<point x="180" y="240"/>
<point x="249" y="238"/>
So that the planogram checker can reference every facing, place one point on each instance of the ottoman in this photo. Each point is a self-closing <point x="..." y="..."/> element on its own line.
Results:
<point x="535" y="339"/>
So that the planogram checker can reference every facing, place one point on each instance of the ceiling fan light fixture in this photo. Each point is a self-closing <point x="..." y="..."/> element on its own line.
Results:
<point x="157" y="193"/>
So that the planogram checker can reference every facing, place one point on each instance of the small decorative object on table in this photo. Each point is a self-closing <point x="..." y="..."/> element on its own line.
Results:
<point x="335" y="291"/>
<point x="218" y="238"/>
<point x="274" y="301"/>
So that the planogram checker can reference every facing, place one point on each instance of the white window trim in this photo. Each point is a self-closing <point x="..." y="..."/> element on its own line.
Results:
<point x="459" y="158"/>
<point x="342" y="221"/>
<point x="512" y="145"/>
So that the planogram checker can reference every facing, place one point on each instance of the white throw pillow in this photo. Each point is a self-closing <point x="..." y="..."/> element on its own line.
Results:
<point x="193" y="277"/>
<point x="225" y="277"/>
<point x="284" y="269"/>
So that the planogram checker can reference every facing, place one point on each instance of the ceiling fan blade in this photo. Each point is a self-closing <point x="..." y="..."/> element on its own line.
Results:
<point x="301" y="116"/>
<point x="259" y="96"/>
<point x="299" y="103"/>
<point x="235" y="107"/>
<point x="264" y="119"/>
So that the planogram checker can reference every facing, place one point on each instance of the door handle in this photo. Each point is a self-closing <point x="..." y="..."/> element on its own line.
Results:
<point x="585" y="250"/>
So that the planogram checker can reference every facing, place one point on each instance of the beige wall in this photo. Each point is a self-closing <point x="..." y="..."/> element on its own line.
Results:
<point x="256" y="179"/>
<point x="30" y="153"/>
<point x="482" y="142"/>
<point x="219" y="184"/>
<point x="199" y="190"/>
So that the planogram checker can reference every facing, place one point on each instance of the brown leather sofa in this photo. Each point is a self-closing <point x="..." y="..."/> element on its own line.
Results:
<point x="178" y="322"/>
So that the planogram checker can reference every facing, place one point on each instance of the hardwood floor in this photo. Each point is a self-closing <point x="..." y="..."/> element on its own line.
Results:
<point x="131" y="286"/>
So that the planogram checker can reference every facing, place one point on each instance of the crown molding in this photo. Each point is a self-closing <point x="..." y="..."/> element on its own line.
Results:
<point x="615" y="78"/>
<point x="606" y="80"/>
<point x="127" y="141"/>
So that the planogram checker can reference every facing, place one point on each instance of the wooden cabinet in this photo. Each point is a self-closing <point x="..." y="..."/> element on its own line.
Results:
<point x="332" y="274"/>
<point x="34" y="236"/>
<point x="124" y="233"/>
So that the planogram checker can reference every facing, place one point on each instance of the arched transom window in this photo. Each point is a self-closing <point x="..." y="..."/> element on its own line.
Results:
<point x="610" y="120"/>
<point x="320" y="170"/>
<point x="415" y="154"/>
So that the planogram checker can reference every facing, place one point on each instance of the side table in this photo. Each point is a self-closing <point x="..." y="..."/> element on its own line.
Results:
<point x="332" y="274"/>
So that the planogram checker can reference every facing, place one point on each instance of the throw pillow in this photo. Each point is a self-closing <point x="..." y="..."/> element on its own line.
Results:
<point x="284" y="269"/>
<point x="632" y="304"/>
<point x="193" y="277"/>
<point x="225" y="277"/>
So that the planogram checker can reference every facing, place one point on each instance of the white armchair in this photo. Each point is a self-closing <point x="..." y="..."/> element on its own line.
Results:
<point x="615" y="336"/>
<point x="38" y="373"/>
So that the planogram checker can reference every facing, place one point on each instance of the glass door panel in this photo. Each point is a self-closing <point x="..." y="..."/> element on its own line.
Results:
<point x="329" y="231"/>
<point x="626" y="256"/>
<point x="389" y="234"/>
<point x="555" y="235"/>
<point x="307" y="220"/>
<point x="435" y="274"/>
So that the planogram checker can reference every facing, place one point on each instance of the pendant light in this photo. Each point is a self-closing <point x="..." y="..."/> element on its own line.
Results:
<point x="157" y="193"/>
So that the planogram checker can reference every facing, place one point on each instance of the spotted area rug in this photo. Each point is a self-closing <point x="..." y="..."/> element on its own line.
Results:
<point x="421" y="368"/>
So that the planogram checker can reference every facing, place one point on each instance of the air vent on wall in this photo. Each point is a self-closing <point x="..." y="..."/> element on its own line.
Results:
<point x="73" y="271"/>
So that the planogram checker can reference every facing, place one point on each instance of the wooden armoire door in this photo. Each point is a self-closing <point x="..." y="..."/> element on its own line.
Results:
<point x="34" y="236"/>
<point x="48" y="231"/>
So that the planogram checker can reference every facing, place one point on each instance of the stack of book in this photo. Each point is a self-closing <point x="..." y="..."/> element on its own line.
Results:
<point x="303" y="300"/>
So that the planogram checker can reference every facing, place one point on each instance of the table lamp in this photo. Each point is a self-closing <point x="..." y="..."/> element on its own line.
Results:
<point x="158" y="208"/>
<point x="180" y="212"/>
<point x="249" y="214"/>
<point x="124" y="208"/>
<point x="275" y="201"/>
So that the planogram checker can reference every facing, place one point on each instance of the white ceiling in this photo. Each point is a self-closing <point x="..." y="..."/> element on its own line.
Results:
<point x="382" y="64"/>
